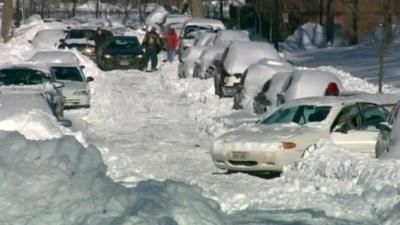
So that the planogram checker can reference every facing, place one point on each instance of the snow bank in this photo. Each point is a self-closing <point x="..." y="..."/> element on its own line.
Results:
<point x="61" y="182"/>
<point x="311" y="36"/>
<point x="370" y="185"/>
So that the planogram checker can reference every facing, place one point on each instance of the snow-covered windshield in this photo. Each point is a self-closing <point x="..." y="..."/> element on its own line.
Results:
<point x="21" y="77"/>
<point x="300" y="114"/>
<point x="67" y="73"/>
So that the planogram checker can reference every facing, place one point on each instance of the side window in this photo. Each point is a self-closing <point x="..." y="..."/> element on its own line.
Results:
<point x="372" y="115"/>
<point x="347" y="119"/>
<point x="394" y="113"/>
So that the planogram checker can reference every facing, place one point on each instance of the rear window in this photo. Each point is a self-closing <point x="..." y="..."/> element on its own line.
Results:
<point x="67" y="73"/>
<point x="79" y="34"/>
<point x="22" y="77"/>
<point x="301" y="114"/>
<point x="123" y="43"/>
<point x="190" y="31"/>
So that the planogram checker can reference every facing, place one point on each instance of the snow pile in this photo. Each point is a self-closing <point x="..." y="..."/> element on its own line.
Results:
<point x="311" y="36"/>
<point x="370" y="185"/>
<point x="61" y="182"/>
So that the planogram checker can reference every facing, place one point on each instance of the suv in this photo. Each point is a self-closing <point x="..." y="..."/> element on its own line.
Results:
<point x="33" y="79"/>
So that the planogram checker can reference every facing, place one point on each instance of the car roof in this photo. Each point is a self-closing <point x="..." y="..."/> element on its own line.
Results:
<point x="63" y="65"/>
<point x="344" y="100"/>
<point x="27" y="65"/>
<point x="55" y="56"/>
<point x="203" y="21"/>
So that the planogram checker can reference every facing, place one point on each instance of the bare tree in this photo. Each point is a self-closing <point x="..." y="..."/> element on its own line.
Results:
<point x="197" y="8"/>
<point x="330" y="21"/>
<point x="7" y="18"/>
<point x="385" y="39"/>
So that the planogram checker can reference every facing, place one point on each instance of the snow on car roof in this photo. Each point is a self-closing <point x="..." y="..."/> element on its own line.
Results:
<point x="380" y="99"/>
<point x="242" y="54"/>
<point x="232" y="35"/>
<point x="201" y="21"/>
<point x="28" y="65"/>
<point x="55" y="56"/>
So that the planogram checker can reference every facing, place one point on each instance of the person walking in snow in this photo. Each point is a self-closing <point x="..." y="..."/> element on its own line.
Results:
<point x="171" y="43"/>
<point x="152" y="45"/>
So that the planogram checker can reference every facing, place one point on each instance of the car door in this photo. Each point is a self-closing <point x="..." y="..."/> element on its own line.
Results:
<point x="355" y="127"/>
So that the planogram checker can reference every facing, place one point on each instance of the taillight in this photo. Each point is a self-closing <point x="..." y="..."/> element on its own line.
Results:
<point x="332" y="89"/>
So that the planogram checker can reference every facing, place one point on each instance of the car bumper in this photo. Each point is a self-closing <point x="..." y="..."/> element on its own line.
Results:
<point x="77" y="102"/>
<point x="123" y="64"/>
<point x="256" y="160"/>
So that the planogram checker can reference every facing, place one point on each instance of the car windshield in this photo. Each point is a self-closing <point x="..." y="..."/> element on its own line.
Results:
<point x="190" y="31"/>
<point x="130" y="43"/>
<point x="300" y="114"/>
<point x="22" y="77"/>
<point x="67" y="73"/>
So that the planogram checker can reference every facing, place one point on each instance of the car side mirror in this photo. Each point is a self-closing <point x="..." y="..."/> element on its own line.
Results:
<point x="30" y="41"/>
<point x="58" y="84"/>
<point x="280" y="98"/>
<point x="62" y="40"/>
<point x="65" y="122"/>
<point x="89" y="79"/>
<point x="384" y="126"/>
<point x="82" y="66"/>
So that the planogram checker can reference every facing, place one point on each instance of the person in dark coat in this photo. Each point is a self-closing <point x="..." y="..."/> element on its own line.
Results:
<point x="152" y="45"/>
<point x="171" y="43"/>
<point x="100" y="38"/>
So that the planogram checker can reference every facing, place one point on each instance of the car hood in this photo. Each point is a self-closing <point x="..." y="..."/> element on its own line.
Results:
<point x="19" y="89"/>
<point x="134" y="51"/>
<point x="265" y="137"/>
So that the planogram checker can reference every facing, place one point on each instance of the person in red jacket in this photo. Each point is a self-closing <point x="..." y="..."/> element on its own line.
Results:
<point x="171" y="43"/>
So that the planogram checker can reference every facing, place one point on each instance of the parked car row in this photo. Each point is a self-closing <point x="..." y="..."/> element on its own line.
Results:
<point x="297" y="106"/>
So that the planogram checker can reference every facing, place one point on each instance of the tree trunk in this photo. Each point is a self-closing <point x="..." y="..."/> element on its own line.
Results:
<point x="321" y="11"/>
<point x="385" y="41"/>
<point x="97" y="8"/>
<point x="7" y="18"/>
<point x="354" y="21"/>
<point x="275" y="25"/>
<point x="197" y="8"/>
<point x="330" y="22"/>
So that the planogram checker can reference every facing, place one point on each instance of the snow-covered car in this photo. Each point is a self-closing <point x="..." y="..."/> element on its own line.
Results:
<point x="266" y="98"/>
<point x="76" y="89"/>
<point x="236" y="59"/>
<point x="221" y="41"/>
<point x="176" y="21"/>
<point x="253" y="80"/>
<point x="66" y="68"/>
<point x="49" y="38"/>
<point x="121" y="52"/>
<point x="192" y="27"/>
<point x="54" y="56"/>
<point x="205" y="39"/>
<point x="186" y="64"/>
<point x="285" y="134"/>
<point x="297" y="85"/>
<point x="33" y="79"/>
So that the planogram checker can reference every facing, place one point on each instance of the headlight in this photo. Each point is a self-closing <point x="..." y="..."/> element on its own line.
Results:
<point x="89" y="50"/>
<point x="80" y="93"/>
<point x="107" y="56"/>
<point x="288" y="145"/>
<point x="140" y="56"/>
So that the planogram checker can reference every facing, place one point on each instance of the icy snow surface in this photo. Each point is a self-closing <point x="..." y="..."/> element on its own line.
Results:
<point x="152" y="128"/>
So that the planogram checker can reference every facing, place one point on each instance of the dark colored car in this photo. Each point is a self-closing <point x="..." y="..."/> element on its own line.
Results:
<point x="120" y="52"/>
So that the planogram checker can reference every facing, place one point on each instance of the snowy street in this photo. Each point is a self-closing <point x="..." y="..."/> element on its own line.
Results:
<point x="154" y="132"/>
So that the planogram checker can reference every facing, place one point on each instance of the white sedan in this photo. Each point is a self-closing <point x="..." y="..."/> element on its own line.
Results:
<point x="284" y="135"/>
